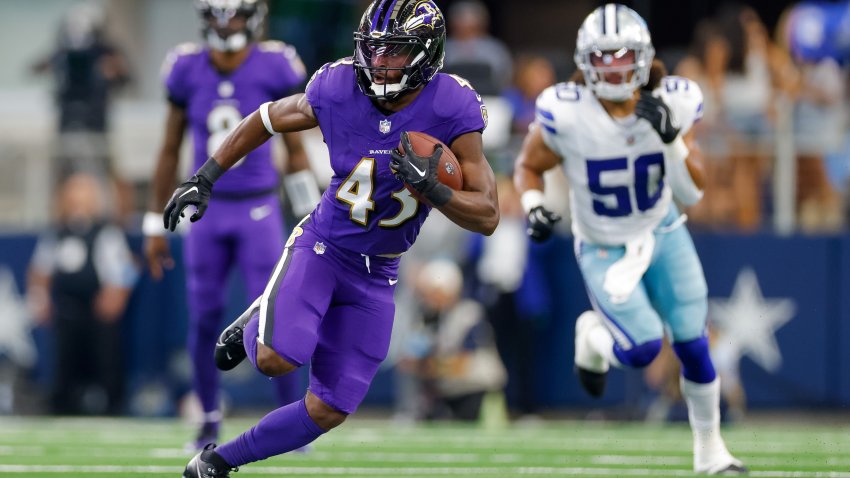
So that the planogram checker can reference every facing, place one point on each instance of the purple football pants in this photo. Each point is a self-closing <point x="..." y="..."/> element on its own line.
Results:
<point x="334" y="309"/>
<point x="247" y="233"/>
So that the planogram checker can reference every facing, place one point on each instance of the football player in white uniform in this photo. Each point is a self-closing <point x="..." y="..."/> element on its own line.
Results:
<point x="623" y="134"/>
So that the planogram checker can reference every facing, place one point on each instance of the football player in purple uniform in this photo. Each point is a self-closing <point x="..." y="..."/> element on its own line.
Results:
<point x="211" y="87"/>
<point x="329" y="301"/>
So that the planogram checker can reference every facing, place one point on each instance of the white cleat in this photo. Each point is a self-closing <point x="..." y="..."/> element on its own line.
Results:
<point x="715" y="459"/>
<point x="590" y="366"/>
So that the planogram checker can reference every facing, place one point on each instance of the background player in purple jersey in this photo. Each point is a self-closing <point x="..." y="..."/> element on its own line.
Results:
<point x="210" y="89"/>
<point x="330" y="299"/>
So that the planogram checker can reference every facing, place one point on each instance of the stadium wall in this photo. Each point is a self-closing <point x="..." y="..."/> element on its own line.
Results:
<point x="783" y="296"/>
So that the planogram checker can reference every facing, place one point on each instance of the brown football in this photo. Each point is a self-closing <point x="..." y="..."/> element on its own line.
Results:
<point x="448" y="169"/>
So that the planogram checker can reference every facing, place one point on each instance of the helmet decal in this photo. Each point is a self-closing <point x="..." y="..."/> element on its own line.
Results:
<point x="425" y="14"/>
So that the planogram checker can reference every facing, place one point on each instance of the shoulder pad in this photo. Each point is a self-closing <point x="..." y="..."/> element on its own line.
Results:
<point x="188" y="48"/>
<point x="557" y="105"/>
<point x="456" y="94"/>
<point x="272" y="46"/>
<point x="332" y="82"/>
<point x="684" y="97"/>
<point x="175" y="54"/>
<point x="287" y="52"/>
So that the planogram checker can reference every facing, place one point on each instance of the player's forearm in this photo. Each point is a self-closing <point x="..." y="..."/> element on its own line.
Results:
<point x="526" y="178"/>
<point x="534" y="159"/>
<point x="163" y="180"/>
<point x="297" y="159"/>
<point x="247" y="136"/>
<point x="473" y="211"/>
<point x="683" y="172"/>
<point x="695" y="163"/>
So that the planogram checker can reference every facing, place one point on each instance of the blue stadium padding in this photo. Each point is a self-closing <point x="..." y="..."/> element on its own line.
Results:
<point x="812" y="271"/>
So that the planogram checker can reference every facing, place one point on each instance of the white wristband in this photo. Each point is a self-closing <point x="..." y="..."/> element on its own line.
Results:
<point x="531" y="199"/>
<point x="264" y="115"/>
<point x="152" y="225"/>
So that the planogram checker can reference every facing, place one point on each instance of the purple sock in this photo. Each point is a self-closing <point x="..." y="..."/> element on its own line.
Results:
<point x="285" y="429"/>
<point x="249" y="338"/>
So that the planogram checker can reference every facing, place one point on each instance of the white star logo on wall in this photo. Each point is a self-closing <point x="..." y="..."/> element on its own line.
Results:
<point x="747" y="321"/>
<point x="15" y="338"/>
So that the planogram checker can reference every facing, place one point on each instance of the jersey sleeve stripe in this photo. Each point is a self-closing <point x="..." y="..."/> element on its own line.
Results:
<point x="545" y="114"/>
<point x="549" y="128"/>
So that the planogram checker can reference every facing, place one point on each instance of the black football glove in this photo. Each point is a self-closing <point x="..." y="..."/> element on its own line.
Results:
<point x="420" y="172"/>
<point x="541" y="223"/>
<point x="658" y="114"/>
<point x="194" y="192"/>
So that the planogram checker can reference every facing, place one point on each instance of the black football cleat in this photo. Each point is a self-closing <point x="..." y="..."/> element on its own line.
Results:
<point x="208" y="464"/>
<point x="592" y="382"/>
<point x="229" y="349"/>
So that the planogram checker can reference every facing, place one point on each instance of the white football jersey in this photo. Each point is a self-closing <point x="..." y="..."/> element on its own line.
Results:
<point x="615" y="166"/>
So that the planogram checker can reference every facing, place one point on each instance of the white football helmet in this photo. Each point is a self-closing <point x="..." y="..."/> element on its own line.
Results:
<point x="610" y="32"/>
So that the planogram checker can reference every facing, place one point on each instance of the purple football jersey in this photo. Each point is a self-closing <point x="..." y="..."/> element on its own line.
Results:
<point x="216" y="102"/>
<point x="365" y="208"/>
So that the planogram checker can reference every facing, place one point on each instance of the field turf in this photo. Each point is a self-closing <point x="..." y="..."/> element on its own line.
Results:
<point x="101" y="448"/>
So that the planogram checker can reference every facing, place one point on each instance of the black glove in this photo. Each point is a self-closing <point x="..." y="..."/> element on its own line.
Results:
<point x="194" y="192"/>
<point x="420" y="172"/>
<point x="658" y="114"/>
<point x="541" y="223"/>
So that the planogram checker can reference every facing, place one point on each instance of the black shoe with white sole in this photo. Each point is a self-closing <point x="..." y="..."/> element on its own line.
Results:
<point x="208" y="464"/>
<point x="230" y="349"/>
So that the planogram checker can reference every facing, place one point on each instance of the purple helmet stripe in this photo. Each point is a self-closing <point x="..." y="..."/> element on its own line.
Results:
<point x="376" y="17"/>
<point x="391" y="11"/>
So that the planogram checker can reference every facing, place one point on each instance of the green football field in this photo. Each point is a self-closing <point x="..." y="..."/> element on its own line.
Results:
<point x="95" y="447"/>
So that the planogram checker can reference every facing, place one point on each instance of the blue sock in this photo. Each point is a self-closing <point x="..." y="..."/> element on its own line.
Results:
<point x="696" y="361"/>
<point x="285" y="429"/>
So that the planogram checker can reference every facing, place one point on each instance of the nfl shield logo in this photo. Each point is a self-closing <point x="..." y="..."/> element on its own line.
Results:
<point x="319" y="248"/>
<point x="385" y="126"/>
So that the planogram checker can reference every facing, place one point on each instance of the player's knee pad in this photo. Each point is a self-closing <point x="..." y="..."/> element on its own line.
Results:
<point x="640" y="355"/>
<point x="696" y="361"/>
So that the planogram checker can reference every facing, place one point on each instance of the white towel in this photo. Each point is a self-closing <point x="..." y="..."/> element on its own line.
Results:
<point x="625" y="274"/>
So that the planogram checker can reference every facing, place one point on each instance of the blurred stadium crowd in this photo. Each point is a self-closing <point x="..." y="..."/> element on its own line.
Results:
<point x="80" y="117"/>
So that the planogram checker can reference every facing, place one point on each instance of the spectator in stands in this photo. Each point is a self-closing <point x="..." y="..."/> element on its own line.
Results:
<point x="80" y="279"/>
<point x="739" y="70"/>
<point x="472" y="53"/>
<point x="820" y="108"/>
<point x="534" y="73"/>
<point x="86" y="67"/>
<point x="457" y="363"/>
